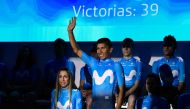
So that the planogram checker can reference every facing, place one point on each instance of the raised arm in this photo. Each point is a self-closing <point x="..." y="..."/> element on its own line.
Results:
<point x="75" y="47"/>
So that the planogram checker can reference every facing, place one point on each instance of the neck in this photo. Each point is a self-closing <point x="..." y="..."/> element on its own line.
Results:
<point x="128" y="57"/>
<point x="168" y="56"/>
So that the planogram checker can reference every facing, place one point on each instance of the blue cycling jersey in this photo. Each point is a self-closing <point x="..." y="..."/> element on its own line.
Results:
<point x="177" y="67"/>
<point x="63" y="99"/>
<point x="105" y="73"/>
<point x="132" y="71"/>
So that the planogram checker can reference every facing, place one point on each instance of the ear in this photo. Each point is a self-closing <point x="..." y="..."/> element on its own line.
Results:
<point x="111" y="49"/>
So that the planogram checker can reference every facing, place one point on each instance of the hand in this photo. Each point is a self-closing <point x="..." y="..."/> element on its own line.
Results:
<point x="72" y="24"/>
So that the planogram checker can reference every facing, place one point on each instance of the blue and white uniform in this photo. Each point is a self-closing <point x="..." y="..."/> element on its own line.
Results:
<point x="86" y="77"/>
<point x="105" y="73"/>
<point x="63" y="99"/>
<point x="177" y="67"/>
<point x="152" y="102"/>
<point x="132" y="71"/>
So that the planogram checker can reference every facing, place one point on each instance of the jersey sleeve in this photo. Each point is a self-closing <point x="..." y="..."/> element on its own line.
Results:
<point x="119" y="73"/>
<point x="89" y="60"/>
<point x="155" y="67"/>
<point x="182" y="72"/>
<point x="139" y="70"/>
<point x="82" y="77"/>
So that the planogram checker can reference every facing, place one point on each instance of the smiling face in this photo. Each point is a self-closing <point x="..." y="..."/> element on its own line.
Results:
<point x="63" y="79"/>
<point x="103" y="51"/>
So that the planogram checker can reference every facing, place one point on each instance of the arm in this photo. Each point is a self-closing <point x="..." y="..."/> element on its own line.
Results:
<point x="120" y="79"/>
<point x="87" y="59"/>
<point x="73" y="43"/>
<point x="82" y="81"/>
<point x="133" y="89"/>
<point x="78" y="100"/>
<point x="154" y="67"/>
<point x="181" y="76"/>
<point x="120" y="97"/>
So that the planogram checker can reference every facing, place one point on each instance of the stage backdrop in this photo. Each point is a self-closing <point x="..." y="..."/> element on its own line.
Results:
<point x="142" y="20"/>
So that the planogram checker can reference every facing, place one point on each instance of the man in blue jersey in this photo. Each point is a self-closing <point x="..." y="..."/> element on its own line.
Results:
<point x="105" y="72"/>
<point x="176" y="64"/>
<point x="132" y="72"/>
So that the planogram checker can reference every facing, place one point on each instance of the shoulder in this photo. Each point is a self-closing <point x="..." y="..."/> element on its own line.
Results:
<point x="69" y="61"/>
<point x="136" y="60"/>
<point x="160" y="59"/>
<point x="179" y="59"/>
<point x="53" y="91"/>
<point x="75" y="90"/>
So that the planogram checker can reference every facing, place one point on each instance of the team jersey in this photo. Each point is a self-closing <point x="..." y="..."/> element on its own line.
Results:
<point x="63" y="99"/>
<point x="86" y="76"/>
<point x="152" y="102"/>
<point x="177" y="67"/>
<point x="104" y="75"/>
<point x="54" y="65"/>
<point x="132" y="70"/>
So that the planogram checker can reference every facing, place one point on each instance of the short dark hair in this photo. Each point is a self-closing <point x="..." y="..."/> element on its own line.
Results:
<point x="106" y="41"/>
<point x="60" y="47"/>
<point x="128" y="43"/>
<point x="170" y="41"/>
<point x="59" y="42"/>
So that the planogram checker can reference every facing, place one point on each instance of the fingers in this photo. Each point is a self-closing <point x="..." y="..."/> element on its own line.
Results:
<point x="69" y="21"/>
<point x="72" y="20"/>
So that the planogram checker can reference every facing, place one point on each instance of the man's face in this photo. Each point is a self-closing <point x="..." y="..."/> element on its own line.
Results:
<point x="103" y="51"/>
<point x="168" y="50"/>
<point x="127" y="51"/>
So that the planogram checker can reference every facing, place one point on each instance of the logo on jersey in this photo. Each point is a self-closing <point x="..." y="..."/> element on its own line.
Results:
<point x="65" y="106"/>
<point x="100" y="79"/>
<point x="131" y="75"/>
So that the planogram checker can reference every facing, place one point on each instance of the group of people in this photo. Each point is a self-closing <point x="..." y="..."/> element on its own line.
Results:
<point x="107" y="84"/>
<point x="104" y="82"/>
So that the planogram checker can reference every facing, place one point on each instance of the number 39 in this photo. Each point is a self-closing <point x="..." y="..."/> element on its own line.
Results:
<point x="153" y="8"/>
